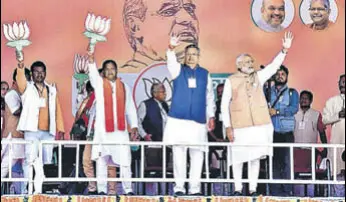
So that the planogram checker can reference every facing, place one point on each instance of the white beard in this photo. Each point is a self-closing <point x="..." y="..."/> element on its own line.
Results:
<point x="247" y="70"/>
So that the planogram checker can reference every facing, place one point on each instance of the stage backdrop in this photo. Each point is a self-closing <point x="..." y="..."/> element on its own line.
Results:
<point x="140" y="32"/>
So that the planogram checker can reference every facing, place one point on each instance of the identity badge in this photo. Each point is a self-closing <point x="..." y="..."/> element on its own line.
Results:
<point x="192" y="83"/>
<point x="302" y="125"/>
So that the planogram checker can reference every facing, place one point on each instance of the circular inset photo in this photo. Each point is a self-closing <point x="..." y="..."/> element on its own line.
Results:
<point x="318" y="14"/>
<point x="272" y="15"/>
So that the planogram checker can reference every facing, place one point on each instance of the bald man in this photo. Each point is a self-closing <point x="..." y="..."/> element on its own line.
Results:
<point x="273" y="15"/>
<point x="319" y="13"/>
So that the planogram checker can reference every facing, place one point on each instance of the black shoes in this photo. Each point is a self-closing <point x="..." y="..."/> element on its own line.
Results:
<point x="254" y="194"/>
<point x="237" y="193"/>
<point x="92" y="193"/>
<point x="130" y="194"/>
<point x="196" y="194"/>
<point x="179" y="193"/>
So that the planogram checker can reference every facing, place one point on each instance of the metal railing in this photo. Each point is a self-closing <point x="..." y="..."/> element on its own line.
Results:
<point x="164" y="178"/>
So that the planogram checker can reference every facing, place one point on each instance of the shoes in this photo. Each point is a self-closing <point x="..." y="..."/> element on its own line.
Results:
<point x="237" y="193"/>
<point x="254" y="194"/>
<point x="102" y="194"/>
<point x="130" y="194"/>
<point x="196" y="194"/>
<point x="179" y="193"/>
<point x="92" y="193"/>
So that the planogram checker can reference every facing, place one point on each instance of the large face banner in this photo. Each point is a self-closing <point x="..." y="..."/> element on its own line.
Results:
<point x="140" y="31"/>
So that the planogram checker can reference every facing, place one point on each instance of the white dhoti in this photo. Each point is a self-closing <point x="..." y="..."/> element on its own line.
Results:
<point x="337" y="137"/>
<point x="238" y="155"/>
<point x="113" y="155"/>
<point x="186" y="132"/>
<point x="106" y="155"/>
<point x="258" y="135"/>
<point x="17" y="154"/>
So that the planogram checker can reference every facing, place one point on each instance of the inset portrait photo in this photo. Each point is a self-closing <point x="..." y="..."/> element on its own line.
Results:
<point x="318" y="14"/>
<point x="272" y="15"/>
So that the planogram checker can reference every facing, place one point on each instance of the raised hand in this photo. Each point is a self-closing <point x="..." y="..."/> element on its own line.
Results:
<point x="174" y="41"/>
<point x="91" y="58"/>
<point x="287" y="40"/>
<point x="20" y="59"/>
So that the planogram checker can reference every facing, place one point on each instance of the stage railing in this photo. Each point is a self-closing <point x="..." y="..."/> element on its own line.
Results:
<point x="8" y="144"/>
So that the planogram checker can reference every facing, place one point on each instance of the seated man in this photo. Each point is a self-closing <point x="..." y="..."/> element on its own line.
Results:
<point x="152" y="117"/>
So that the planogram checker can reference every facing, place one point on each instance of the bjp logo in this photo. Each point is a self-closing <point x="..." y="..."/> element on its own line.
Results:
<point x="157" y="73"/>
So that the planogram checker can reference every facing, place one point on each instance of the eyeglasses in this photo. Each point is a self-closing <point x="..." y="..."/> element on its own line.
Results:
<point x="317" y="9"/>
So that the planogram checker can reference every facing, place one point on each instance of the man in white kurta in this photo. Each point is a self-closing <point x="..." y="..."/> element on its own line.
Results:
<point x="41" y="119"/>
<point x="334" y="115"/>
<point x="13" y="109"/>
<point x="249" y="123"/>
<point x="107" y="155"/>
<point x="186" y="124"/>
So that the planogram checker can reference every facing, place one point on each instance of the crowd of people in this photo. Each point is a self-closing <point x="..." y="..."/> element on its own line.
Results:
<point x="252" y="108"/>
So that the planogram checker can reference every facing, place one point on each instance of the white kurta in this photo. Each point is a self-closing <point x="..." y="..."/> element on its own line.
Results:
<point x="14" y="102"/>
<point x="331" y="117"/>
<point x="180" y="131"/>
<point x="259" y="135"/>
<point x="121" y="154"/>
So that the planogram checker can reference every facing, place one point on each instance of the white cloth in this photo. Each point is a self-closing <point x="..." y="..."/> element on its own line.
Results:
<point x="13" y="100"/>
<point x="268" y="28"/>
<point x="187" y="131"/>
<point x="5" y="163"/>
<point x="253" y="173"/>
<point x="331" y="117"/>
<point x="142" y="112"/>
<point x="196" y="165"/>
<point x="32" y="154"/>
<point x="259" y="135"/>
<point x="102" y="174"/>
<point x="18" y="153"/>
<point x="31" y="108"/>
<point x="17" y="149"/>
<point x="92" y="116"/>
<point x="121" y="154"/>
